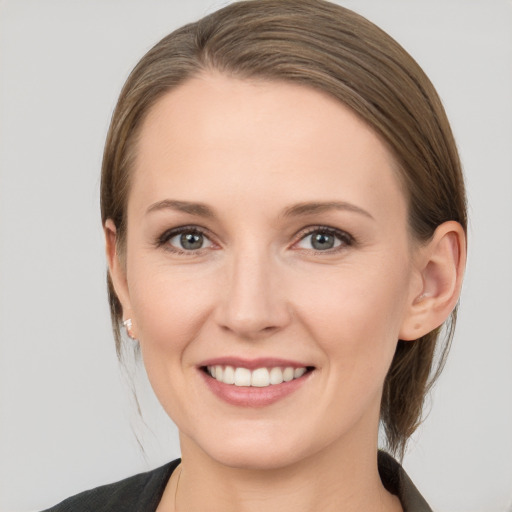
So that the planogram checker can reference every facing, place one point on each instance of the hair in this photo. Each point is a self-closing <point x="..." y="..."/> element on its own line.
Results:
<point x="332" y="49"/>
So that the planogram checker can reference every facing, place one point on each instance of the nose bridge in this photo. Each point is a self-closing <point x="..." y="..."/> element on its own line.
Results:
<point x="253" y="303"/>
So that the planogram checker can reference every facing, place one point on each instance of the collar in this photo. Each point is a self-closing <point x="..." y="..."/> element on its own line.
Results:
<point x="396" y="481"/>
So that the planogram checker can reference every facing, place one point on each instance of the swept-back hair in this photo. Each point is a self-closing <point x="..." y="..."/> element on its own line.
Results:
<point x="334" y="50"/>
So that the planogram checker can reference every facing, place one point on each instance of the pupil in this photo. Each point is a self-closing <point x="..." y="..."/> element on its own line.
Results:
<point x="322" y="241"/>
<point x="191" y="241"/>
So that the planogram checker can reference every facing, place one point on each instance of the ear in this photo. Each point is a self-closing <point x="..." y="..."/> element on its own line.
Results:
<point x="440" y="267"/>
<point x="117" y="268"/>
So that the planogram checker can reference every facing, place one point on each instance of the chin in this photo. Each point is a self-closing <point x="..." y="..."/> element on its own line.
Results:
<point x="261" y="449"/>
<point x="256" y="458"/>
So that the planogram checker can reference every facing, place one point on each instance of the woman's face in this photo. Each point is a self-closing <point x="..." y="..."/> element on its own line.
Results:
<point x="267" y="239"/>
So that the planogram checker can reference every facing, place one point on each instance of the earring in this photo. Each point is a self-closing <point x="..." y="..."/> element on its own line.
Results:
<point x="128" y="326"/>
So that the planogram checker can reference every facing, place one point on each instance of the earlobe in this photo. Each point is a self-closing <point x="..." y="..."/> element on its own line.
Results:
<point x="441" y="263"/>
<point x="116" y="266"/>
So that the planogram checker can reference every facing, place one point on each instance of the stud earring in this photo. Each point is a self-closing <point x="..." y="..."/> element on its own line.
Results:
<point x="128" y="326"/>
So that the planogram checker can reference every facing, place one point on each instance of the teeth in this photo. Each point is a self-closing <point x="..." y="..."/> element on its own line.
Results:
<point x="260" y="378"/>
<point x="229" y="375"/>
<point x="242" y="377"/>
<point x="276" y="376"/>
<point x="288" y="374"/>
<point x="298" y="372"/>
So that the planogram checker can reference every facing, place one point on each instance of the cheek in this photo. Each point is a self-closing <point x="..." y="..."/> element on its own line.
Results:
<point x="170" y="310"/>
<point x="169" y="307"/>
<point x="355" y="313"/>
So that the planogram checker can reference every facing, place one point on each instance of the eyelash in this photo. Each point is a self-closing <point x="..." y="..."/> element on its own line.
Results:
<point x="164" y="238"/>
<point x="345" y="239"/>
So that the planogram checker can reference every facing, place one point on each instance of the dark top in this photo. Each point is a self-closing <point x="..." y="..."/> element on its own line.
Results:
<point x="143" y="492"/>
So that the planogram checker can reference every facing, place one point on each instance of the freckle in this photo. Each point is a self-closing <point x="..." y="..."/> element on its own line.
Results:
<point x="417" y="326"/>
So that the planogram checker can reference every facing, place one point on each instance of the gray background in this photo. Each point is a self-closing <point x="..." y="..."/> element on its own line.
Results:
<point x="67" y="421"/>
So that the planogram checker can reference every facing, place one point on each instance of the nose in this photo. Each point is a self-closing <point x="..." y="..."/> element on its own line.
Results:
<point x="254" y="301"/>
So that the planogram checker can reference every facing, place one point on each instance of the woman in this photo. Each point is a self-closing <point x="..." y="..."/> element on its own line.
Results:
<point x="284" y="214"/>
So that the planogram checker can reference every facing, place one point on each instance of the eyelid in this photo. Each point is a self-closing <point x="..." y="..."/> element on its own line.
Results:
<point x="346" y="238"/>
<point x="163" y="239"/>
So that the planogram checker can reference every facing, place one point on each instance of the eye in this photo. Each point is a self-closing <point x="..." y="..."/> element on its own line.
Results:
<point x="324" y="239"/>
<point x="185" y="240"/>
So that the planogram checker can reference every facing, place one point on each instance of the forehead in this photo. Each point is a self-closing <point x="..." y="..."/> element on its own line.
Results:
<point x="256" y="136"/>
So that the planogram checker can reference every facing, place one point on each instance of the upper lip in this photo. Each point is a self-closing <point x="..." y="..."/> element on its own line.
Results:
<point x="253" y="364"/>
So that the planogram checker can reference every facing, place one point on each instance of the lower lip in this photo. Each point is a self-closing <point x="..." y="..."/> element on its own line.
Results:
<point x="249" y="396"/>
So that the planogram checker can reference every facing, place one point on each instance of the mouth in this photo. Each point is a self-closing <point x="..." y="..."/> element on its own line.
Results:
<point x="254" y="383"/>
<point x="258" y="378"/>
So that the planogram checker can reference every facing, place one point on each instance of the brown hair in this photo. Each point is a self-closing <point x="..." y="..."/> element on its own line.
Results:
<point x="330" y="48"/>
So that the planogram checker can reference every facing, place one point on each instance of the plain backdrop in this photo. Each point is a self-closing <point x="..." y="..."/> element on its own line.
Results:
<point x="67" y="420"/>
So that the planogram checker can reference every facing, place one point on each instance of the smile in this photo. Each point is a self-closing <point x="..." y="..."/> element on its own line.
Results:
<point x="259" y="377"/>
<point x="256" y="382"/>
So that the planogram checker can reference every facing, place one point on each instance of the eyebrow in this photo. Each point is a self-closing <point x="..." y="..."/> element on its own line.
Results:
<point x="297" y="210"/>
<point x="301" y="209"/>
<point x="199" y="209"/>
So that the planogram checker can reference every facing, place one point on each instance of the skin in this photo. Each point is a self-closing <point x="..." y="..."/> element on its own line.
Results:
<point x="251" y="152"/>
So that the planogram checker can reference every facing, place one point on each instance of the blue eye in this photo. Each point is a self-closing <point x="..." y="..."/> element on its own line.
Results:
<point x="324" y="240"/>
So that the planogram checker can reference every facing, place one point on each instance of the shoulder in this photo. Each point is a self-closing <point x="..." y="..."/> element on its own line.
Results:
<point x="138" y="492"/>
<point x="397" y="482"/>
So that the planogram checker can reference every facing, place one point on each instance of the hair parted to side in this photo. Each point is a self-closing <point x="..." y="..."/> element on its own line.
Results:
<point x="332" y="49"/>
